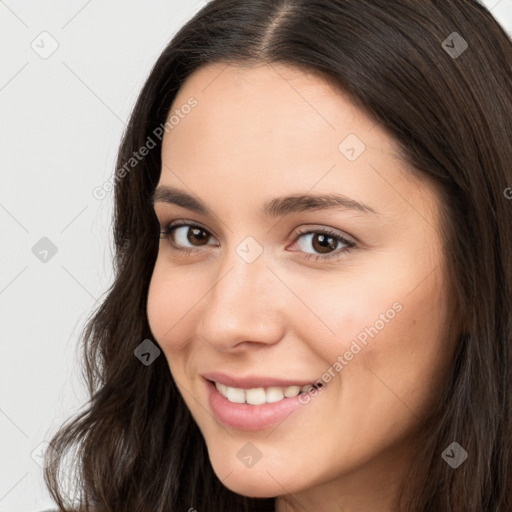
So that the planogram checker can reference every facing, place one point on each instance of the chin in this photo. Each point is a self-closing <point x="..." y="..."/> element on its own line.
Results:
<point x="252" y="487"/>
<point x="256" y="482"/>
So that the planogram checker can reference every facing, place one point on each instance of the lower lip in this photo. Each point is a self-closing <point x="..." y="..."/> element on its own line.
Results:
<point x="251" y="417"/>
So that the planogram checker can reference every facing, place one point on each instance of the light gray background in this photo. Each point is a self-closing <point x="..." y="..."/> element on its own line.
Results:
<point x="61" y="121"/>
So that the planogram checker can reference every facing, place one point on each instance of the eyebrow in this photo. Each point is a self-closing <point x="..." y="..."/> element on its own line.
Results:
<point x="279" y="206"/>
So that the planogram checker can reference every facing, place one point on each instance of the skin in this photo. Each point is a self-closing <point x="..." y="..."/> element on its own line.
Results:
<point x="265" y="131"/>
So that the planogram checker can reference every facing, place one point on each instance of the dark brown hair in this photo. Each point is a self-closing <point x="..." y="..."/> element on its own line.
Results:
<point x="136" y="447"/>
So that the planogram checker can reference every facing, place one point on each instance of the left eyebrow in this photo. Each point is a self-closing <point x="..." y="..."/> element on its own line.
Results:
<point x="286" y="205"/>
<point x="277" y="207"/>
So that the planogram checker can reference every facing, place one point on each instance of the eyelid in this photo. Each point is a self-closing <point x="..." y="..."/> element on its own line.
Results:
<point x="312" y="228"/>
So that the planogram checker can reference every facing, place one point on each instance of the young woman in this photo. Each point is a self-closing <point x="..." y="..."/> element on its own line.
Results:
<point x="312" y="303"/>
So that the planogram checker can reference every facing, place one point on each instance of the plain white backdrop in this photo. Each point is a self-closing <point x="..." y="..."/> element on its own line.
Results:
<point x="70" y="73"/>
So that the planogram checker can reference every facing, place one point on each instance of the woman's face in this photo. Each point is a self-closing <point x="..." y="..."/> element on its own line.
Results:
<point x="272" y="285"/>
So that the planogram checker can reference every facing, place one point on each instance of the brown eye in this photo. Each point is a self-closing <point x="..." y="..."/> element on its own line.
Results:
<point x="186" y="236"/>
<point x="196" y="236"/>
<point x="323" y="243"/>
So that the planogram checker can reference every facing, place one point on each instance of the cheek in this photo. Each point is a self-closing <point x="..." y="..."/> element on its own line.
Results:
<point x="382" y="335"/>
<point x="169" y="304"/>
<point x="393" y="303"/>
<point x="401" y="368"/>
<point x="347" y="312"/>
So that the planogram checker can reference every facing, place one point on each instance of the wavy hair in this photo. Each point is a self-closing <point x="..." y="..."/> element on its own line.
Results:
<point x="136" y="447"/>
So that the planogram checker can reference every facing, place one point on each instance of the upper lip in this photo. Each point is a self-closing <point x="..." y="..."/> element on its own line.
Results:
<point x="253" y="381"/>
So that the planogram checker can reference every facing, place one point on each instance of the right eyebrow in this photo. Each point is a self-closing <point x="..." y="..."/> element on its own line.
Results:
<point x="171" y="195"/>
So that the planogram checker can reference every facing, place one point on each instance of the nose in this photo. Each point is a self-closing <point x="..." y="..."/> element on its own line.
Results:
<point x="243" y="307"/>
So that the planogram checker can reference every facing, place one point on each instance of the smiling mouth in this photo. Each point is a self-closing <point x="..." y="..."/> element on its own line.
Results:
<point x="259" y="396"/>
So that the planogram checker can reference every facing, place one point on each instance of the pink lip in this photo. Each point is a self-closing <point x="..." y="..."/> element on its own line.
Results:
<point x="249" y="382"/>
<point x="247" y="416"/>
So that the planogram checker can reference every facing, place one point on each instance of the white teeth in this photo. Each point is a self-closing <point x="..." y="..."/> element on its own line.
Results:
<point x="258" y="396"/>
<point x="255" y="396"/>
<point x="274" y="395"/>
<point x="291" y="391"/>
<point x="235" y="395"/>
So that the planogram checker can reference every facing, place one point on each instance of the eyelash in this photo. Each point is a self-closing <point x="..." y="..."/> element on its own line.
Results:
<point x="170" y="228"/>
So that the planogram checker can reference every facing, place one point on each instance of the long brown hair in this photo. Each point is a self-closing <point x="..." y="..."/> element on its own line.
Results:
<point x="437" y="75"/>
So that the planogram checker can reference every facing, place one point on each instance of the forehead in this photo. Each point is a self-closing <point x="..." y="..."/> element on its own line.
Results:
<point x="274" y="97"/>
<point x="269" y="110"/>
<point x="281" y="129"/>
